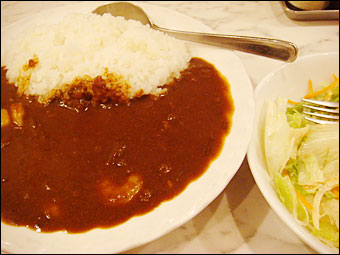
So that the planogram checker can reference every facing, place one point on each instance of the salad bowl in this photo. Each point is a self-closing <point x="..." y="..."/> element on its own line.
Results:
<point x="289" y="81"/>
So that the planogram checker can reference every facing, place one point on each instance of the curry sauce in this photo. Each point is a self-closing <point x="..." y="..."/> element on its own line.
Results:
<point x="77" y="170"/>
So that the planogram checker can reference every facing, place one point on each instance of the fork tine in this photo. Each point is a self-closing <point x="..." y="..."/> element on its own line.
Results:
<point x="325" y="112"/>
<point x="321" y="109"/>
<point x="319" y="121"/>
<point x="326" y="116"/>
<point x="323" y="103"/>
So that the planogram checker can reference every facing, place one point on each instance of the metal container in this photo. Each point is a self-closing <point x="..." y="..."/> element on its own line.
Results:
<point x="330" y="13"/>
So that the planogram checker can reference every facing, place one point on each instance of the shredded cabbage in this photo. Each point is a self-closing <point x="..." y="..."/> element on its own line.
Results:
<point x="303" y="161"/>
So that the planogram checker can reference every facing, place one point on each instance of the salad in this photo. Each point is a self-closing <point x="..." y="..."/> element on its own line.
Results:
<point x="303" y="161"/>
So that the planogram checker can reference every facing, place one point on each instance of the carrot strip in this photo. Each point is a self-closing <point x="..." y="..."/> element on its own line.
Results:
<point x="303" y="200"/>
<point x="335" y="192"/>
<point x="285" y="172"/>
<point x="332" y="85"/>
<point x="292" y="102"/>
<point x="310" y="86"/>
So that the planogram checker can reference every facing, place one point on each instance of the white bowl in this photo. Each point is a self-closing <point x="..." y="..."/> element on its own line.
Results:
<point x="289" y="81"/>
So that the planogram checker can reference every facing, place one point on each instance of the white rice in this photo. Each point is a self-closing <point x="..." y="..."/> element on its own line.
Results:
<point x="89" y="44"/>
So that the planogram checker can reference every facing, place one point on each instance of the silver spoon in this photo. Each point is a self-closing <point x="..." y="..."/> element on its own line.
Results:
<point x="271" y="48"/>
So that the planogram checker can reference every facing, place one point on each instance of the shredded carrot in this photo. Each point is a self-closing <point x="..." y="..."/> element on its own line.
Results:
<point x="285" y="172"/>
<point x="334" y="76"/>
<point x="292" y="102"/>
<point x="303" y="200"/>
<point x="329" y="87"/>
<point x="335" y="192"/>
<point x="310" y="86"/>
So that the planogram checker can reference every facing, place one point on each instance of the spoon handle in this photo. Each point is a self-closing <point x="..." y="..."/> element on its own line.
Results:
<point x="271" y="48"/>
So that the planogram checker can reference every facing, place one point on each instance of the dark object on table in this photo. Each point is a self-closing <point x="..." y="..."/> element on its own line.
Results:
<point x="329" y="13"/>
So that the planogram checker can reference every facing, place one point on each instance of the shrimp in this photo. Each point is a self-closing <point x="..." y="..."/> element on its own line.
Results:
<point x="5" y="120"/>
<point x="116" y="195"/>
<point x="17" y="111"/>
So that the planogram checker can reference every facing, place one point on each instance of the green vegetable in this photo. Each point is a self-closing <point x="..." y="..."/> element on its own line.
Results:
<point x="303" y="161"/>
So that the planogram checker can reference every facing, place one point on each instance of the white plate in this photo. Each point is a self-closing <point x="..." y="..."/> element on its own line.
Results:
<point x="169" y="215"/>
<point x="289" y="81"/>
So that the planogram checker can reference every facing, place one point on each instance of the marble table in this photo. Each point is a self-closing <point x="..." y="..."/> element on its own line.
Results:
<point x="239" y="220"/>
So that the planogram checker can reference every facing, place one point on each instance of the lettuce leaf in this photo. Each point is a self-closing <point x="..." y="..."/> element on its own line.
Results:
<point x="303" y="160"/>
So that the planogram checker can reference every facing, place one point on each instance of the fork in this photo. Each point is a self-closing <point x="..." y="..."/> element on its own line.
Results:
<point x="321" y="112"/>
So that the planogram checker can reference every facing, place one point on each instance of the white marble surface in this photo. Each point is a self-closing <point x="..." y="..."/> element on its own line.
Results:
<point x="239" y="220"/>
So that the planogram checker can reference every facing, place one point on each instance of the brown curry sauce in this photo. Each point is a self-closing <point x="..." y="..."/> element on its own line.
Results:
<point x="61" y="170"/>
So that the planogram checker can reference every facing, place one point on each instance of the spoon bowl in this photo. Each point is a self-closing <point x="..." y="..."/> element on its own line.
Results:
<point x="126" y="10"/>
<point x="271" y="48"/>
